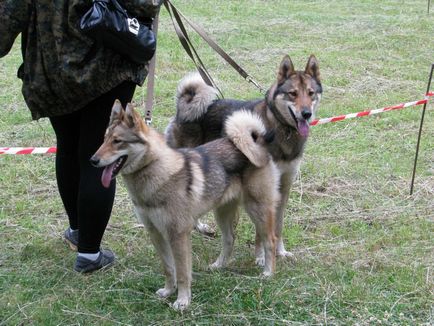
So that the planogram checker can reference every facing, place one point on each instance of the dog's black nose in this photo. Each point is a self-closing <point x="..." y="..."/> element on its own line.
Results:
<point x="306" y="113"/>
<point x="94" y="161"/>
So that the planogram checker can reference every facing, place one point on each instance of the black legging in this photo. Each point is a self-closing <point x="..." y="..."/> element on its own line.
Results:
<point x="87" y="203"/>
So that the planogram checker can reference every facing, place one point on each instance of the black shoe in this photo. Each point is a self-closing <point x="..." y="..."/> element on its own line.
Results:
<point x="105" y="259"/>
<point x="71" y="238"/>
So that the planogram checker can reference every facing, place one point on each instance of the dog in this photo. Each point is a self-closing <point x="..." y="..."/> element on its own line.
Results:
<point x="171" y="188"/>
<point x="289" y="104"/>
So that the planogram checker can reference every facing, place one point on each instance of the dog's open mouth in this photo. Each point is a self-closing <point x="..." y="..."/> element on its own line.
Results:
<point x="302" y="124"/>
<point x="110" y="171"/>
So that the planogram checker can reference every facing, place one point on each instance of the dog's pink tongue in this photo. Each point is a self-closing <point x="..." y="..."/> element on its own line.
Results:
<point x="303" y="128"/>
<point x="107" y="175"/>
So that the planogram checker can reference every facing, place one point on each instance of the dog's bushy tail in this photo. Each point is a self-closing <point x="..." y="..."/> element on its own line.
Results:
<point x="246" y="130"/>
<point x="193" y="97"/>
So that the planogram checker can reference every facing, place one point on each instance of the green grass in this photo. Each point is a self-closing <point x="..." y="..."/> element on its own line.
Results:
<point x="364" y="246"/>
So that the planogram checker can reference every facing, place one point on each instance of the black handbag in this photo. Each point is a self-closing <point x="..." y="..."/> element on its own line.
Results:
<point x="110" y="24"/>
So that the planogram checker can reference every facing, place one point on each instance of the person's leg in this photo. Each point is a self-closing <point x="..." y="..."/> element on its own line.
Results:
<point x="67" y="129"/>
<point x="95" y="202"/>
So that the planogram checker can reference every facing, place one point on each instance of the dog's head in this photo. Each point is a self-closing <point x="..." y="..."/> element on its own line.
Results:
<point x="125" y="144"/>
<point x="296" y="94"/>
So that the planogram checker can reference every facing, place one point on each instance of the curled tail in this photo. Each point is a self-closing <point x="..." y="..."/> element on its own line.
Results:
<point x="246" y="130"/>
<point x="193" y="97"/>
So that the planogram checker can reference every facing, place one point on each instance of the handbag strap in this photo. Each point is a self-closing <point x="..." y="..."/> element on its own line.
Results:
<point x="149" y="104"/>
<point x="117" y="6"/>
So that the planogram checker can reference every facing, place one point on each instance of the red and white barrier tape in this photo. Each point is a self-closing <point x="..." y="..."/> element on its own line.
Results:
<point x="371" y="112"/>
<point x="45" y="150"/>
<point x="27" y="150"/>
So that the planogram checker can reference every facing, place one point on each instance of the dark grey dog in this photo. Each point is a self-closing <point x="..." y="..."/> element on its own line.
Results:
<point x="289" y="105"/>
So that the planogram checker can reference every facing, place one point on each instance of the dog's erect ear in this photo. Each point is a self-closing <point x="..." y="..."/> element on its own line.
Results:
<point x="133" y="119"/>
<point x="285" y="70"/>
<point x="312" y="68"/>
<point x="130" y="115"/>
<point x="117" y="111"/>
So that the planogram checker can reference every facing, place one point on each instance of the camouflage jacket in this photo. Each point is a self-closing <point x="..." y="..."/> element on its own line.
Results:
<point x="63" y="70"/>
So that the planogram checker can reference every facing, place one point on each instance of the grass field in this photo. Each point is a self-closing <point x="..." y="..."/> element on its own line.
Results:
<point x="364" y="246"/>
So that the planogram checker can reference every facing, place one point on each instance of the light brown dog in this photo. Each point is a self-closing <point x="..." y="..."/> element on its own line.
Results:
<point x="171" y="188"/>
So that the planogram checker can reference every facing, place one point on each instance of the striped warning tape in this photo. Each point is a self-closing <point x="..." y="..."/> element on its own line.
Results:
<point x="27" y="150"/>
<point x="45" y="150"/>
<point x="369" y="112"/>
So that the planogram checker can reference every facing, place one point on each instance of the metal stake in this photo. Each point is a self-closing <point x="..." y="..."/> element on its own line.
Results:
<point x="420" y="131"/>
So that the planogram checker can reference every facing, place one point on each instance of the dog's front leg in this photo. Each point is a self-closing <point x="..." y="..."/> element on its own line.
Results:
<point x="263" y="216"/>
<point x="181" y="248"/>
<point x="164" y="250"/>
<point x="265" y="239"/>
<point x="285" y="185"/>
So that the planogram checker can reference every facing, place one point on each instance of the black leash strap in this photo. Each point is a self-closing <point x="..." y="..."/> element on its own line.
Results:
<point x="177" y="14"/>
<point x="182" y="34"/>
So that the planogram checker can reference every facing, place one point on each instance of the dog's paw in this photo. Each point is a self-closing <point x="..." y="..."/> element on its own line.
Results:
<point x="281" y="251"/>
<point x="164" y="293"/>
<point x="267" y="274"/>
<point x="215" y="266"/>
<point x="181" y="304"/>
<point x="205" y="229"/>
<point x="285" y="254"/>
<point x="260" y="261"/>
<point x="219" y="263"/>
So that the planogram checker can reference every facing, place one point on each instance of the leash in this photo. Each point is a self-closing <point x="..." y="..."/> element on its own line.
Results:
<point x="191" y="51"/>
<point x="183" y="37"/>
<point x="177" y="20"/>
<point x="149" y="104"/>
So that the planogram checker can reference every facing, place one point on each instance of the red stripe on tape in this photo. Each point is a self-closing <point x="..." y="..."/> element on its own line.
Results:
<point x="362" y="114"/>
<point x="26" y="151"/>
<point x="395" y="107"/>
<point x="338" y="118"/>
<point x="421" y="102"/>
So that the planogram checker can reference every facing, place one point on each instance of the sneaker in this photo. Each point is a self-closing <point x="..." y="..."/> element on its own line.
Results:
<point x="106" y="259"/>
<point x="71" y="238"/>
